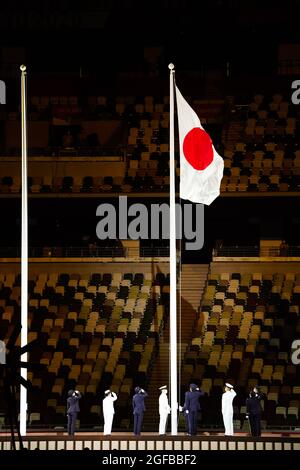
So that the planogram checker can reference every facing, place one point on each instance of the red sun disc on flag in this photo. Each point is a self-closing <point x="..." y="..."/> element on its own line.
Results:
<point x="198" y="149"/>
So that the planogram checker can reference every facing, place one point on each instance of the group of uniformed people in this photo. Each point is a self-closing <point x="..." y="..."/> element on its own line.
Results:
<point x="190" y="409"/>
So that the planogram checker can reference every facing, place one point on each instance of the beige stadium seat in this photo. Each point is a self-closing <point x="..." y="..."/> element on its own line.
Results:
<point x="9" y="280"/>
<point x="249" y="131"/>
<point x="92" y="289"/>
<point x="34" y="417"/>
<point x="48" y="322"/>
<point x="220" y="296"/>
<point x="257" y="365"/>
<point x="290" y="276"/>
<point x="87" y="368"/>
<point x="206" y="385"/>
<point x="83" y="283"/>
<point x="281" y="410"/>
<point x="273" y="396"/>
<point x="57" y="388"/>
<point x="217" y="309"/>
<point x="34" y="303"/>
<point x="240" y="147"/>
<point x="79" y="296"/>
<point x="72" y="315"/>
<point x="73" y="283"/>
<point x="88" y="303"/>
<point x="164" y="148"/>
<point x="102" y="289"/>
<point x="44" y="303"/>
<point x="91" y="388"/>
<point x="267" y="373"/>
<point x="59" y="322"/>
<point x="293" y="410"/>
<point x="237" y="355"/>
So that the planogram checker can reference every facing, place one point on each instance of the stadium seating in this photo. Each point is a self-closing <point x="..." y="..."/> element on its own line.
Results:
<point x="262" y="152"/>
<point x="260" y="148"/>
<point x="93" y="332"/>
<point x="102" y="331"/>
<point x="244" y="334"/>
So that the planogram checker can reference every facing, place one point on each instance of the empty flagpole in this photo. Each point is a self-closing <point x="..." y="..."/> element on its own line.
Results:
<point x="24" y="251"/>
<point x="173" y="282"/>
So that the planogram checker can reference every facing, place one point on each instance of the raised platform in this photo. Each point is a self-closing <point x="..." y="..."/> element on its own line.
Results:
<point x="154" y="442"/>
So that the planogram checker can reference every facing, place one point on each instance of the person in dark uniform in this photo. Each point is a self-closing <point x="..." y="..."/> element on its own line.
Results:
<point x="192" y="407"/>
<point x="72" y="410"/>
<point x="254" y="411"/>
<point x="138" y="403"/>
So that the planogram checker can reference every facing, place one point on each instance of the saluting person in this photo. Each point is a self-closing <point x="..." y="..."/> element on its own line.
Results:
<point x="191" y="408"/>
<point x="227" y="409"/>
<point x="164" y="409"/>
<point x="254" y="411"/>
<point x="138" y="404"/>
<point x="72" y="410"/>
<point x="108" y="411"/>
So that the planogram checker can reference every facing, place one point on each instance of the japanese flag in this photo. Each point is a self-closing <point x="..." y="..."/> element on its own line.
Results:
<point x="201" y="167"/>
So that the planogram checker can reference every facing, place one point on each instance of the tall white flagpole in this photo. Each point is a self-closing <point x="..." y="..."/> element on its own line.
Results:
<point x="173" y="282"/>
<point x="24" y="251"/>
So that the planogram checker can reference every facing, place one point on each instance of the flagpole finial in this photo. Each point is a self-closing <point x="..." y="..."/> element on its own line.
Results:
<point x="171" y="66"/>
<point x="23" y="68"/>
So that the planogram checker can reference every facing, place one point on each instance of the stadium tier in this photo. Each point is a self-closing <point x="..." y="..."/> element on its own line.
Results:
<point x="259" y="145"/>
<point x="245" y="328"/>
<point x="261" y="149"/>
<point x="110" y="330"/>
<point x="93" y="332"/>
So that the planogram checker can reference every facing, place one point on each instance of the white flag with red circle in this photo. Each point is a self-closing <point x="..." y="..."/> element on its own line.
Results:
<point x="201" y="167"/>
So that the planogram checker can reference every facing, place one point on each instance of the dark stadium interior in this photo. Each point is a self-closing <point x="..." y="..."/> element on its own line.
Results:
<point x="98" y="128"/>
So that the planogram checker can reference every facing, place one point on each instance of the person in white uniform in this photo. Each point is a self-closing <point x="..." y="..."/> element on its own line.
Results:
<point x="108" y="410"/>
<point x="227" y="409"/>
<point x="164" y="409"/>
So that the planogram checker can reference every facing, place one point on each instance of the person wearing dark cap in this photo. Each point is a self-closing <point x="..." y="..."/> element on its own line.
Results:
<point x="254" y="411"/>
<point x="72" y="410"/>
<point x="191" y="408"/>
<point x="138" y="404"/>
<point x="164" y="409"/>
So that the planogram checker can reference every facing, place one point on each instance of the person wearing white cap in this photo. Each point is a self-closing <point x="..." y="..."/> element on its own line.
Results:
<point x="108" y="410"/>
<point x="164" y="409"/>
<point x="227" y="409"/>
